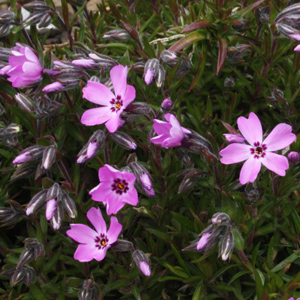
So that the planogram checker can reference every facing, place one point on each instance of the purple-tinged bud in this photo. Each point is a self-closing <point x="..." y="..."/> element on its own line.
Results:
<point x="168" y="57"/>
<point x="289" y="31"/>
<point x="167" y="104"/>
<point x="6" y="16"/>
<point x="34" y="18"/>
<point x="33" y="243"/>
<point x="49" y="156"/>
<point x="84" y="62"/>
<point x="69" y="205"/>
<point x="24" y="170"/>
<point x="147" y="185"/>
<point x="235" y="54"/>
<point x="88" y="291"/>
<point x="160" y="77"/>
<point x="54" y="192"/>
<point x="290" y="10"/>
<point x="45" y="20"/>
<point x="36" y="202"/>
<point x="264" y="14"/>
<point x="139" y="108"/>
<point x="53" y="87"/>
<point x="11" y="214"/>
<point x="142" y="262"/>
<point x="122" y="245"/>
<point x="91" y="149"/>
<point x="13" y="129"/>
<point x="30" y="153"/>
<point x="293" y="157"/>
<point x="190" y="178"/>
<point x="218" y="218"/>
<point x="204" y="240"/>
<point x="96" y="61"/>
<point x="151" y="70"/>
<point x="26" y="256"/>
<point x="117" y="35"/>
<point x="297" y="48"/>
<point x="227" y="245"/>
<point x="23" y="157"/>
<point x="57" y="217"/>
<point x="234" y="138"/>
<point x="37" y="6"/>
<point x="124" y="140"/>
<point x="50" y="208"/>
<point x="23" y="275"/>
<point x="253" y="194"/>
<point x="185" y="66"/>
<point x="24" y="102"/>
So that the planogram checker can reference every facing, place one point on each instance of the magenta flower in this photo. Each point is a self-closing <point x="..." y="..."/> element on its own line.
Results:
<point x="113" y="104"/>
<point x="94" y="244"/>
<point x="24" y="67"/>
<point x="259" y="151"/>
<point x="116" y="188"/>
<point x="170" y="134"/>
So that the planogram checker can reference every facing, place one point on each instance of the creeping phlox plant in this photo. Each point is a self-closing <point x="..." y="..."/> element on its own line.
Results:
<point x="148" y="95"/>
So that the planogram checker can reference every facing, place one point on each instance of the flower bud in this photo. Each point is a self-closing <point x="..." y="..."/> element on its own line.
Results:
<point x="218" y="218"/>
<point x="28" y="154"/>
<point x="293" y="157"/>
<point x="160" y="77"/>
<point x="53" y="87"/>
<point x="234" y="138"/>
<point x="227" y="245"/>
<point x="23" y="275"/>
<point x="69" y="205"/>
<point x="36" y="202"/>
<point x="168" y="57"/>
<point x="190" y="178"/>
<point x="34" y="244"/>
<point x="37" y="6"/>
<point x="124" y="140"/>
<point x="49" y="156"/>
<point x="151" y="70"/>
<point x="229" y="82"/>
<point x="57" y="217"/>
<point x="11" y="214"/>
<point x="24" y="170"/>
<point x="139" y="108"/>
<point x="13" y="129"/>
<point x="147" y="185"/>
<point x="185" y="66"/>
<point x="53" y="192"/>
<point x="167" y="104"/>
<point x="253" y="194"/>
<point x="117" y="35"/>
<point x="24" y="102"/>
<point x="122" y="245"/>
<point x="288" y="31"/>
<point x="235" y="54"/>
<point x="50" y="208"/>
<point x="204" y="240"/>
<point x="88" y="291"/>
<point x="264" y="14"/>
<point x="289" y="10"/>
<point x="142" y="262"/>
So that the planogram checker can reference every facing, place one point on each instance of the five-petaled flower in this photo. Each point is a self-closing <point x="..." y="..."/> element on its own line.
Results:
<point x="113" y="104"/>
<point x="259" y="151"/>
<point x="94" y="244"/>
<point x="116" y="188"/>
<point x="24" y="67"/>
<point x="170" y="134"/>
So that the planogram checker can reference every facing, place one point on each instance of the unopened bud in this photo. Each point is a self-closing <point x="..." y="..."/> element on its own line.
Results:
<point x="26" y="256"/>
<point x="168" y="57"/>
<point x="53" y="192"/>
<point x="293" y="157"/>
<point x="185" y="66"/>
<point x="289" y="31"/>
<point x="204" y="240"/>
<point x="53" y="87"/>
<point x="264" y="14"/>
<point x="218" y="218"/>
<point x="117" y="35"/>
<point x="88" y="291"/>
<point x="167" y="104"/>
<point x="37" y="6"/>
<point x="57" y="217"/>
<point x="289" y="10"/>
<point x="12" y="213"/>
<point x="13" y="129"/>
<point x="45" y="20"/>
<point x="122" y="245"/>
<point x="69" y="205"/>
<point x="124" y="140"/>
<point x="139" y="108"/>
<point x="33" y="243"/>
<point x="229" y="82"/>
<point x="49" y="156"/>
<point x="160" y="78"/>
<point x="50" y="208"/>
<point x="142" y="262"/>
<point x="227" y="245"/>
<point x="190" y="178"/>
<point x="24" y="102"/>
<point x="253" y="194"/>
<point x="36" y="202"/>
<point x="147" y="185"/>
<point x="151" y="70"/>
<point x="23" y="275"/>
<point x="30" y="153"/>
<point x="7" y="16"/>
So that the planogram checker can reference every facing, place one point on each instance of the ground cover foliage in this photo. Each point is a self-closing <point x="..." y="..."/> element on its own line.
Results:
<point x="232" y="58"/>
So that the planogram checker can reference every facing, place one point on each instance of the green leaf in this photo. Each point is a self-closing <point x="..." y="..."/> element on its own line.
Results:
<point x="286" y="261"/>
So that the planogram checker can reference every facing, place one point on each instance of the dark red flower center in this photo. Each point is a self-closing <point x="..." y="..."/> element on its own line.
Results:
<point x="101" y="241"/>
<point x="120" y="186"/>
<point x="116" y="104"/>
<point x="258" y="150"/>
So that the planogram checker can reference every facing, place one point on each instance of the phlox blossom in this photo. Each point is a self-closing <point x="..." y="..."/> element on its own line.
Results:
<point x="170" y="133"/>
<point x="259" y="151"/>
<point x="116" y="188"/>
<point x="24" y="67"/>
<point x="94" y="243"/>
<point x="113" y="103"/>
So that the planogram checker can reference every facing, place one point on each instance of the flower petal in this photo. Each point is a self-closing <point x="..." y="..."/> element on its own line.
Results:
<point x="129" y="95"/>
<point x="280" y="137"/>
<point x="161" y="127"/>
<point x="101" y="253"/>
<point x="114" y="122"/>
<point x="95" y="217"/>
<point x="114" y="230"/>
<point x="31" y="56"/>
<point x="95" y="116"/>
<point x="250" y="170"/>
<point x="235" y="153"/>
<point x="86" y="253"/>
<point x="108" y="173"/>
<point x="118" y="76"/>
<point x="131" y="197"/>
<point x="32" y="70"/>
<point x="276" y="163"/>
<point x="97" y="93"/>
<point x="114" y="204"/>
<point x="250" y="128"/>
<point x="158" y="140"/>
<point x="101" y="192"/>
<point x="82" y="233"/>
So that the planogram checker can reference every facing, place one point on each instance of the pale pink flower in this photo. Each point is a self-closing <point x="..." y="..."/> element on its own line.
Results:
<point x="116" y="188"/>
<point x="24" y="67"/>
<point x="259" y="151"/>
<point x="94" y="243"/>
<point x="170" y="133"/>
<point x="113" y="104"/>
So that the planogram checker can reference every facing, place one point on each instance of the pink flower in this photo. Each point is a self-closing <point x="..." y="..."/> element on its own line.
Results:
<point x="94" y="244"/>
<point x="115" y="189"/>
<point x="113" y="104"/>
<point x="24" y="67"/>
<point x="170" y="134"/>
<point x="259" y="151"/>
